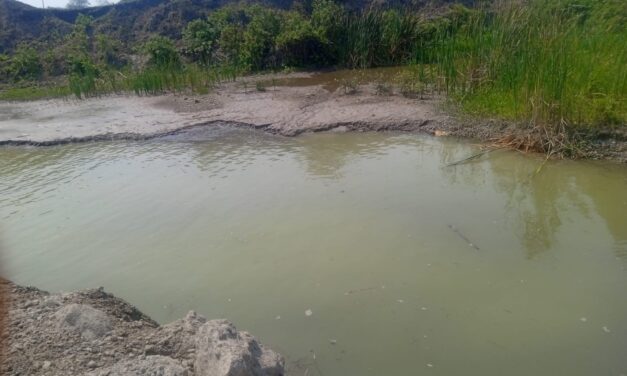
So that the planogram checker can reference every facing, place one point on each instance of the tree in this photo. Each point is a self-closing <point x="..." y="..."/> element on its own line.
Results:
<point x="326" y="16"/>
<point x="78" y="4"/>
<point x="78" y="41"/>
<point x="162" y="53"/>
<point x="200" y="40"/>
<point x="25" y="64"/>
<point x="299" y="45"/>
<point x="5" y="62"/>
<point x="108" y="51"/>
<point x="258" y="47"/>
<point x="231" y="41"/>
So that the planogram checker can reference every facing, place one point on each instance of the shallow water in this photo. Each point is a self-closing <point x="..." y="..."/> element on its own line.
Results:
<point x="333" y="80"/>
<point x="371" y="232"/>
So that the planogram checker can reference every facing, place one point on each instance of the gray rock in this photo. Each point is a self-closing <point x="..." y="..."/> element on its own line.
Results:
<point x="177" y="339"/>
<point x="223" y="351"/>
<point x="52" y="301"/>
<point x="92" y="333"/>
<point x="90" y="322"/>
<point x="156" y="365"/>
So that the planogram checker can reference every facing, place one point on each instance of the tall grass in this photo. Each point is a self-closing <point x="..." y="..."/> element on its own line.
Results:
<point x="552" y="63"/>
<point x="152" y="81"/>
<point x="33" y="92"/>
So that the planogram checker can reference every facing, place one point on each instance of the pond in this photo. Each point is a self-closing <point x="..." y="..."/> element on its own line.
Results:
<point x="351" y="254"/>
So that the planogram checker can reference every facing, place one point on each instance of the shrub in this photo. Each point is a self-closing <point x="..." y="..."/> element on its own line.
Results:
<point x="200" y="39"/>
<point x="162" y="53"/>
<point x="25" y="64"/>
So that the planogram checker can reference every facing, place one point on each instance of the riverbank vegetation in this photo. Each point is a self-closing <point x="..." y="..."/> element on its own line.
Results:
<point x="557" y="65"/>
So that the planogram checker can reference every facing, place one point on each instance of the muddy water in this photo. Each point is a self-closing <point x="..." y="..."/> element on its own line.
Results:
<point x="334" y="80"/>
<point x="369" y="232"/>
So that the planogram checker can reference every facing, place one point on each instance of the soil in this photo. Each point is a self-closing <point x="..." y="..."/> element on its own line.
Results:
<point x="284" y="110"/>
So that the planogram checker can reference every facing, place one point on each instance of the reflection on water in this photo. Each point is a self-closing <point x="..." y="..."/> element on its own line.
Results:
<point x="371" y="232"/>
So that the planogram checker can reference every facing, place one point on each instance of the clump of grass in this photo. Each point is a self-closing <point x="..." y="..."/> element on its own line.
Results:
<point x="383" y="88"/>
<point x="151" y="81"/>
<point x="260" y="86"/>
<point x="416" y="81"/>
<point x="349" y="85"/>
<point x="33" y="92"/>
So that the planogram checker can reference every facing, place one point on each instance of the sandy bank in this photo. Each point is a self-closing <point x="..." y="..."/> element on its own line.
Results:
<point x="308" y="105"/>
<point x="282" y="110"/>
<point x="93" y="333"/>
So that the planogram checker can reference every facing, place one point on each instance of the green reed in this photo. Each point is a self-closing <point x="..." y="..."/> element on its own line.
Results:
<point x="547" y="62"/>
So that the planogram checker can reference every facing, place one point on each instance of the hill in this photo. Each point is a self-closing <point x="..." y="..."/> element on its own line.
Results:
<point x="136" y="20"/>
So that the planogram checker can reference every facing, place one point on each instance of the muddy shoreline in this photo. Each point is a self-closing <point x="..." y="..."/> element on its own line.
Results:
<point x="94" y="333"/>
<point x="282" y="110"/>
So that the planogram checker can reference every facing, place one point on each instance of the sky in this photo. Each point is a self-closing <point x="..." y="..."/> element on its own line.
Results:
<point x="54" y="3"/>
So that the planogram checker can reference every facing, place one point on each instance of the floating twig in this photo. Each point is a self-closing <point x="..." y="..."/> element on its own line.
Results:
<point x="473" y="157"/>
<point x="537" y="171"/>
<point x="463" y="237"/>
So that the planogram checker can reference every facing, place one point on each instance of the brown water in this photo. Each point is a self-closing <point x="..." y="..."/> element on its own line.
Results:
<point x="333" y="80"/>
<point x="371" y="232"/>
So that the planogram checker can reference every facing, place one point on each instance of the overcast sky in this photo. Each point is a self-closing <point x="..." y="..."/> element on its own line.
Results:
<point x="54" y="3"/>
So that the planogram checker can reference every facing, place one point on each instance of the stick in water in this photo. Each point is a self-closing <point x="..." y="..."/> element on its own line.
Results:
<point x="455" y="230"/>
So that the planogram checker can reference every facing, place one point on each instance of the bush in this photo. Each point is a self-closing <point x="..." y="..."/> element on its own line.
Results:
<point x="83" y="74"/>
<point x="200" y="39"/>
<point x="5" y="60"/>
<point x="162" y="53"/>
<point x="258" y="48"/>
<point x="25" y="64"/>
<point x="299" y="45"/>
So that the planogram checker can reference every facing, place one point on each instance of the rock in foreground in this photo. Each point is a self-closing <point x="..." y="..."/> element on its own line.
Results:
<point x="93" y="333"/>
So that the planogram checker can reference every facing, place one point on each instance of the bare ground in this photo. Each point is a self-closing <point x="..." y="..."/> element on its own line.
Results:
<point x="283" y="110"/>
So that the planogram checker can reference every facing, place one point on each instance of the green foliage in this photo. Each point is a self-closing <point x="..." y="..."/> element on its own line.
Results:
<point x="33" y="92"/>
<point x="258" y="48"/>
<point x="25" y="64"/>
<point x="298" y="44"/>
<point x="326" y="19"/>
<point x="83" y="74"/>
<point x="200" y="38"/>
<point x="162" y="53"/>
<point x="559" y="62"/>
<point x="5" y="60"/>
<point x="108" y="51"/>
<point x="231" y="41"/>
<point x="549" y="62"/>
<point x="78" y="41"/>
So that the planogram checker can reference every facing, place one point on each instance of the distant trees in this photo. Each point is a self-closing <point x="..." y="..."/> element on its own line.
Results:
<point x="315" y="33"/>
<point x="256" y="38"/>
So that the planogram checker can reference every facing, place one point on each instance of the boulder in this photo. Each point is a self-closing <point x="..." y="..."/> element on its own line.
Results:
<point x="177" y="339"/>
<point x="223" y="351"/>
<point x="90" y="322"/>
